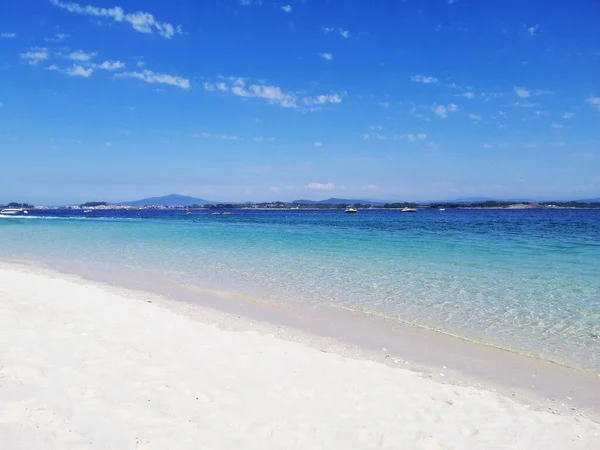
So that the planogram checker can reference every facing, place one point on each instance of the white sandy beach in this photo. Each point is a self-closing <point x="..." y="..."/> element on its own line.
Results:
<point x="82" y="366"/>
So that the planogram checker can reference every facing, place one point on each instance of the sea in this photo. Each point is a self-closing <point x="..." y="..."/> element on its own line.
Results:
<point x="524" y="280"/>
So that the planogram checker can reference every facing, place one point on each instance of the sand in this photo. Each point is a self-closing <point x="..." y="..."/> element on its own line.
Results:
<point x="84" y="366"/>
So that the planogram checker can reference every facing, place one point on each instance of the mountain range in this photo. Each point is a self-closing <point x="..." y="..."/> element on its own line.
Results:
<point x="184" y="200"/>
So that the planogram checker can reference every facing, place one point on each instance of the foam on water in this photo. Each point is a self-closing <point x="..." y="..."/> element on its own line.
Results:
<point x="528" y="280"/>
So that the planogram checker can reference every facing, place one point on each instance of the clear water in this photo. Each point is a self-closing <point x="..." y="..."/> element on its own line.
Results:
<point x="528" y="280"/>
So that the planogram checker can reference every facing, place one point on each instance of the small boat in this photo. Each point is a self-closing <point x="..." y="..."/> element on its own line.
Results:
<point x="408" y="210"/>
<point x="227" y="213"/>
<point x="350" y="211"/>
<point x="87" y="211"/>
<point x="13" y="211"/>
<point x="442" y="209"/>
<point x="188" y="212"/>
<point x="215" y="214"/>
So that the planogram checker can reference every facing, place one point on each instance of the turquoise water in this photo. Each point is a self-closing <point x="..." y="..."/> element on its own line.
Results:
<point x="528" y="280"/>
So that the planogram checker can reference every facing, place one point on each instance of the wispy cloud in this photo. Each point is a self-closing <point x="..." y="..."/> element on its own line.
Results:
<point x="344" y="33"/>
<point x="263" y="139"/>
<point x="79" y="71"/>
<point x="424" y="79"/>
<point x="443" y="111"/>
<point x="374" y="137"/>
<point x="80" y="55"/>
<point x="225" y="137"/>
<point x="58" y="37"/>
<point x="8" y="35"/>
<point x="568" y="115"/>
<point x="320" y="186"/>
<point x="594" y="101"/>
<point x="370" y="187"/>
<point x="141" y="21"/>
<point x="110" y="65"/>
<point x="557" y="126"/>
<point x="251" y="2"/>
<point x="318" y="144"/>
<point x="532" y="30"/>
<point x="413" y="137"/>
<point x="522" y="92"/>
<point x="152" y="77"/>
<point x="287" y="8"/>
<point x="327" y="56"/>
<point x="474" y="117"/>
<point x="271" y="94"/>
<point x="35" y="55"/>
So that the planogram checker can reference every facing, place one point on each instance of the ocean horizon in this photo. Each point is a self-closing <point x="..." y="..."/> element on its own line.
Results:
<point x="524" y="280"/>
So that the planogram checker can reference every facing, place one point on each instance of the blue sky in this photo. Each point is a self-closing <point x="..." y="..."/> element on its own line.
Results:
<point x="236" y="100"/>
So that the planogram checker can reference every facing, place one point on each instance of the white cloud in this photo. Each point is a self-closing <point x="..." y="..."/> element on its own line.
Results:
<point x="272" y="94"/>
<point x="375" y="127"/>
<point x="318" y="144"/>
<point x="8" y="35"/>
<point x="594" y="101"/>
<point x="374" y="136"/>
<point x="487" y="146"/>
<point x="533" y="29"/>
<point x="80" y="55"/>
<point x="58" y="37"/>
<point x="424" y="79"/>
<point x="35" y="55"/>
<point x="522" y="92"/>
<point x="287" y="8"/>
<point x="344" y="33"/>
<point x="225" y="137"/>
<point x="274" y="189"/>
<point x="110" y="65"/>
<point x="370" y="187"/>
<point x="79" y="71"/>
<point x="323" y="99"/>
<point x="327" y="56"/>
<point x="474" y="117"/>
<point x="413" y="137"/>
<point x="442" y="111"/>
<point x="152" y="77"/>
<point x="140" y="21"/>
<point x="263" y="139"/>
<point x="251" y="2"/>
<point x="469" y="95"/>
<point x="568" y="115"/>
<point x="320" y="186"/>
<point x="557" y="126"/>
<point x="384" y="104"/>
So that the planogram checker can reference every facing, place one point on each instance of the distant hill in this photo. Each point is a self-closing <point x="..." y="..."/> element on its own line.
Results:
<point x="589" y="200"/>
<point x="338" y="201"/>
<point x="168" y="200"/>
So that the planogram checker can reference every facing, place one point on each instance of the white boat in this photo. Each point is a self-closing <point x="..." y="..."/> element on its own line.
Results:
<point x="13" y="211"/>
<point x="350" y="211"/>
<point x="87" y="211"/>
<point x="442" y="209"/>
<point x="408" y="210"/>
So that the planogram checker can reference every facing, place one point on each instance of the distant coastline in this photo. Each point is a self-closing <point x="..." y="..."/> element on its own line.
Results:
<point x="497" y="205"/>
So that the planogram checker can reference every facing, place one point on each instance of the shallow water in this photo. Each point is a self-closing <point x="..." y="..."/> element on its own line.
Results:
<point x="528" y="280"/>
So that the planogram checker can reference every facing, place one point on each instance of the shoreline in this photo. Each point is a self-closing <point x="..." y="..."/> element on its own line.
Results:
<point x="443" y="357"/>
